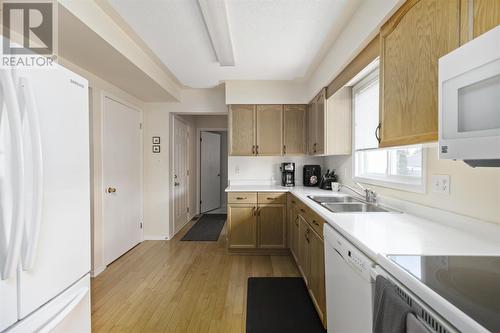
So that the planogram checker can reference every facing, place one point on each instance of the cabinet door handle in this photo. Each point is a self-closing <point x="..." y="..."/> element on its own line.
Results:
<point x="302" y="210"/>
<point x="377" y="132"/>
<point x="284" y="149"/>
<point x="315" y="223"/>
<point x="253" y="150"/>
<point x="253" y="211"/>
<point x="257" y="150"/>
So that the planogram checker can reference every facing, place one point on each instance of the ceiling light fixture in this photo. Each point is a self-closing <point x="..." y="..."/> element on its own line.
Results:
<point x="214" y="14"/>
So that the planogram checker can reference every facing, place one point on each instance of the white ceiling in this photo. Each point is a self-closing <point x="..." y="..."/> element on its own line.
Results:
<point x="272" y="39"/>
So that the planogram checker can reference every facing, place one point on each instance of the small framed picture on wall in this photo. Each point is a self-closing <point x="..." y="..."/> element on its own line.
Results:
<point x="156" y="149"/>
<point x="156" y="140"/>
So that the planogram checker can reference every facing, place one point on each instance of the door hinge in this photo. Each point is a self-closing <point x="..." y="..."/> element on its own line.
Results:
<point x="200" y="202"/>
<point x="140" y="125"/>
<point x="201" y="139"/>
<point x="187" y="173"/>
<point x="187" y="209"/>
<point x="140" y="225"/>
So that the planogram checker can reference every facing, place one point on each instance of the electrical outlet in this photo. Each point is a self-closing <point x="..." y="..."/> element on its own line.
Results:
<point x="441" y="184"/>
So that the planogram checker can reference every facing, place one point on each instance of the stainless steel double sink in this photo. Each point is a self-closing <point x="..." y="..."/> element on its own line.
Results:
<point x="347" y="204"/>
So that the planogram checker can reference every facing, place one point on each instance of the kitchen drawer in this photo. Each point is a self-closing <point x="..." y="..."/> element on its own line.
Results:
<point x="272" y="197"/>
<point x="242" y="197"/>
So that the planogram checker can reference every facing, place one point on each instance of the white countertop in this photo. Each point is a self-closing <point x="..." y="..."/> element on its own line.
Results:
<point x="392" y="233"/>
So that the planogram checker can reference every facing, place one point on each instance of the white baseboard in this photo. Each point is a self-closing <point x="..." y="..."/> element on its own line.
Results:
<point x="155" y="237"/>
<point x="96" y="271"/>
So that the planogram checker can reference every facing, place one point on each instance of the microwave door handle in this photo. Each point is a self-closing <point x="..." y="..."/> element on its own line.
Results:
<point x="35" y="217"/>
<point x="17" y="165"/>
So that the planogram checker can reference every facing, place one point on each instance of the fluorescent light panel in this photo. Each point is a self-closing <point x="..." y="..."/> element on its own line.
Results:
<point x="214" y="14"/>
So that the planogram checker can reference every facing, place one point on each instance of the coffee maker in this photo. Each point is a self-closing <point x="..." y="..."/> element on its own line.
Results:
<point x="287" y="174"/>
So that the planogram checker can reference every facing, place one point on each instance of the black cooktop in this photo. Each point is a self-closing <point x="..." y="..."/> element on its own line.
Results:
<point x="472" y="283"/>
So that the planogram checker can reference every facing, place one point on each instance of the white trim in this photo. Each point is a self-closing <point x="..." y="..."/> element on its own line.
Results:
<point x="198" y="161"/>
<point x="394" y="184"/>
<point x="104" y="94"/>
<point x="97" y="270"/>
<point x="172" y="225"/>
<point x="155" y="237"/>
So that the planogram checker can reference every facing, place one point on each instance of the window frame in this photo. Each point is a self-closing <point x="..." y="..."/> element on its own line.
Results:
<point x="403" y="183"/>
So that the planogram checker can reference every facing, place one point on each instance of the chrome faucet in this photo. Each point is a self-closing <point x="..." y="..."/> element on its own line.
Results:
<point x="369" y="195"/>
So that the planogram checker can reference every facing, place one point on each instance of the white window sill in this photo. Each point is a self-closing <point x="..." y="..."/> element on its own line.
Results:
<point x="408" y="187"/>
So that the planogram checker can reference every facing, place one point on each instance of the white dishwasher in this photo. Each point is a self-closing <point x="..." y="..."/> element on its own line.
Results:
<point x="349" y="285"/>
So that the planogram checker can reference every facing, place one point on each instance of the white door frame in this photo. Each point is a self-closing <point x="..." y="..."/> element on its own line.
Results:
<point x="172" y="227"/>
<point x="198" y="161"/>
<point x="104" y="95"/>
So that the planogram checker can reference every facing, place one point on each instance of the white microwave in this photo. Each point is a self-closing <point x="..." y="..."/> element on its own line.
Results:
<point x="469" y="102"/>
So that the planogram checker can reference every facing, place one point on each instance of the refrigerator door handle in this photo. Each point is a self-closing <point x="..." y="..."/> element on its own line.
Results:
<point x="59" y="317"/>
<point x="34" y="218"/>
<point x="17" y="165"/>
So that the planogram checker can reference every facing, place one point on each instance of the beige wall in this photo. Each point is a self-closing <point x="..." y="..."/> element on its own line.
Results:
<point x="266" y="92"/>
<point x="158" y="221"/>
<point x="474" y="192"/>
<point x="100" y="88"/>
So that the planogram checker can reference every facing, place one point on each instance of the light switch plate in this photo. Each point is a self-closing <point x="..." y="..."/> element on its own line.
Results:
<point x="441" y="184"/>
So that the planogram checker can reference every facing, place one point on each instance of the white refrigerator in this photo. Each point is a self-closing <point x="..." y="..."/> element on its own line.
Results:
<point x="44" y="201"/>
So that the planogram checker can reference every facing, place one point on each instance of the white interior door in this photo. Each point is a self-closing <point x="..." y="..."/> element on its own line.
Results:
<point x="122" y="180"/>
<point x="181" y="186"/>
<point x="210" y="171"/>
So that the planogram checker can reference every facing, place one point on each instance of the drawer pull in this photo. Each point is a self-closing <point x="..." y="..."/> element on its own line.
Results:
<point x="254" y="209"/>
<point x="241" y="198"/>
<point x="269" y="198"/>
<point x="315" y="223"/>
<point x="302" y="210"/>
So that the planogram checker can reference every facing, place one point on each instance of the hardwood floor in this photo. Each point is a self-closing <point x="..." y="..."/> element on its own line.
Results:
<point x="174" y="286"/>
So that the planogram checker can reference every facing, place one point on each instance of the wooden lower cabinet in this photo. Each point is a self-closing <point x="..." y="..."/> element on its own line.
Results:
<point x="242" y="224"/>
<point x="271" y="226"/>
<point x="317" y="273"/>
<point x="294" y="233"/>
<point x="304" y="248"/>
<point x="256" y="226"/>
<point x="307" y="246"/>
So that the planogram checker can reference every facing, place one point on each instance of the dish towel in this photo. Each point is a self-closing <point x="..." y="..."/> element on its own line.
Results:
<point x="389" y="310"/>
<point x="413" y="325"/>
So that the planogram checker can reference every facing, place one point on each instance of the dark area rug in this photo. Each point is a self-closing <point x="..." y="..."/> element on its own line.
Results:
<point x="281" y="305"/>
<point x="207" y="228"/>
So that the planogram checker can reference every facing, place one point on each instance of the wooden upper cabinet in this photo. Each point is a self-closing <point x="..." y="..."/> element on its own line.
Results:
<point x="339" y="122"/>
<point x="242" y="130"/>
<point x="320" y="122"/>
<point x="294" y="129"/>
<point x="486" y="16"/>
<point x="316" y="124"/>
<point x="269" y="130"/>
<point x="311" y="127"/>
<point x="412" y="41"/>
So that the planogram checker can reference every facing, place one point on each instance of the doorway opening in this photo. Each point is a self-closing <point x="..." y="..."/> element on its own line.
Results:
<point x="213" y="171"/>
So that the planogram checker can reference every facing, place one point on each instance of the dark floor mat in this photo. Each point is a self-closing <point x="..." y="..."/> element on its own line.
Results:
<point x="281" y="305"/>
<point x="207" y="228"/>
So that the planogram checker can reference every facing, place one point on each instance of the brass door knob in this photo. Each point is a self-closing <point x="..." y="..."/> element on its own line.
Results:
<point x="111" y="190"/>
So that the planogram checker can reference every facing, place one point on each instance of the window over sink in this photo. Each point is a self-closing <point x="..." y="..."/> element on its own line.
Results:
<point x="400" y="168"/>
